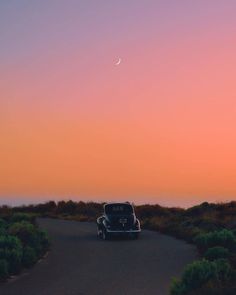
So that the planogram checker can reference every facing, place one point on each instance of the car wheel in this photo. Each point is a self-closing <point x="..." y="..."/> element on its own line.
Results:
<point x="99" y="233"/>
<point x="105" y="235"/>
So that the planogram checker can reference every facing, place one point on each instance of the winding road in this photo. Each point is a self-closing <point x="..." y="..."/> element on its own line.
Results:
<point x="81" y="264"/>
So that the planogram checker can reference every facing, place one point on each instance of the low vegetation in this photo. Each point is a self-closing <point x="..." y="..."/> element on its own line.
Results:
<point x="22" y="243"/>
<point x="211" y="227"/>
<point x="205" y="277"/>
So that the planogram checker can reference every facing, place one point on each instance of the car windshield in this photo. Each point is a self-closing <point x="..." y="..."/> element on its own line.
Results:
<point x="118" y="209"/>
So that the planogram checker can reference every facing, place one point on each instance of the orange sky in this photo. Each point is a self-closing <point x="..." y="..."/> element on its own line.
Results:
<point x="160" y="127"/>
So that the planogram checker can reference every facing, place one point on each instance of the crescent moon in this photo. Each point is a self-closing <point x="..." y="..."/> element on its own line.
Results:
<point x="118" y="62"/>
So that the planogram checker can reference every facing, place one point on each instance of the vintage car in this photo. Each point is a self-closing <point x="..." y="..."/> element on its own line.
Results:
<point x="118" y="219"/>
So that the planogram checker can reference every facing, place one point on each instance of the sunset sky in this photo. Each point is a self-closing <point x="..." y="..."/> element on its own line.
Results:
<point x="159" y="127"/>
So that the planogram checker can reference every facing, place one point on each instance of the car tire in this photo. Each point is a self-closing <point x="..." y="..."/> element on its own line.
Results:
<point x="99" y="233"/>
<point x="105" y="235"/>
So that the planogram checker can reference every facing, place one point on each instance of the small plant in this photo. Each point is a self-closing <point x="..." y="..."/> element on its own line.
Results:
<point x="200" y="274"/>
<point x="21" y="243"/>
<point x="44" y="240"/>
<point x="2" y="227"/>
<point x="29" y="256"/>
<point x="216" y="253"/>
<point x="177" y="287"/>
<point x="18" y="217"/>
<point x="223" y="270"/>
<point x="11" y="251"/>
<point x="25" y="231"/>
<point x="224" y="238"/>
<point x="195" y="275"/>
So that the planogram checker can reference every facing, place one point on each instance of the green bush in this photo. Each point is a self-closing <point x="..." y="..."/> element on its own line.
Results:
<point x="30" y="236"/>
<point x="44" y="240"/>
<point x="195" y="275"/>
<point x="3" y="269"/>
<point x="2" y="227"/>
<point x="18" y="217"/>
<point x="224" y="238"/>
<point x="216" y="253"/>
<point x="29" y="256"/>
<point x="2" y="223"/>
<point x="177" y="287"/>
<point x="224" y="271"/>
<point x="26" y="232"/>
<point x="2" y="231"/>
<point x="11" y="251"/>
<point x="21" y="243"/>
<point x="200" y="273"/>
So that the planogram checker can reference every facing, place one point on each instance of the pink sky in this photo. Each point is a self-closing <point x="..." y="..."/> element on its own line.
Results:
<point x="160" y="127"/>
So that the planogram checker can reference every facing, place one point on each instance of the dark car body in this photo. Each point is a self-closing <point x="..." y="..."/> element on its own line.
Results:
<point x="118" y="219"/>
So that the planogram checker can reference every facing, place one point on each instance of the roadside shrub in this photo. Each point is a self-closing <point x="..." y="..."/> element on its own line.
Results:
<point x="195" y="275"/>
<point x="22" y="242"/>
<point x="177" y="287"/>
<point x="11" y="251"/>
<point x="224" y="238"/>
<point x="200" y="274"/>
<point x="30" y="236"/>
<point x="2" y="231"/>
<point x="44" y="241"/>
<point x="2" y="227"/>
<point x="18" y="217"/>
<point x="29" y="256"/>
<point x="2" y="223"/>
<point x="208" y="222"/>
<point x="216" y="253"/>
<point x="26" y="232"/>
<point x="223" y="270"/>
<point x="3" y="269"/>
